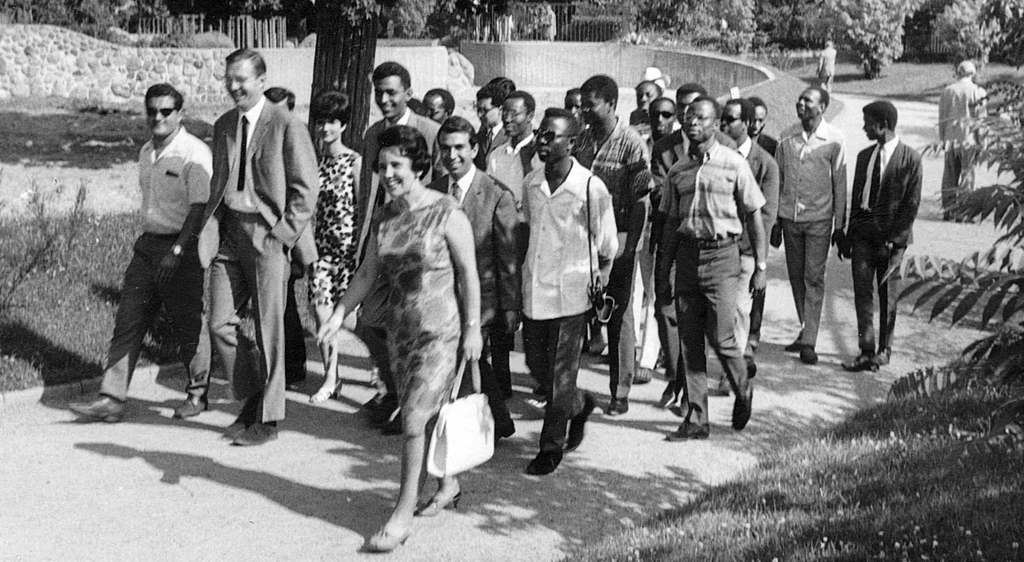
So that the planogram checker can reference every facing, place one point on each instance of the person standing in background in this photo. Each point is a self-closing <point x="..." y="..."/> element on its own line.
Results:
<point x="960" y="101"/>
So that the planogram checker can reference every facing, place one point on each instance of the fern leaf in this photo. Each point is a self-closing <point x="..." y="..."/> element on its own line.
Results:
<point x="1011" y="307"/>
<point x="928" y="294"/>
<point x="911" y="288"/>
<point x="992" y="305"/>
<point x="943" y="302"/>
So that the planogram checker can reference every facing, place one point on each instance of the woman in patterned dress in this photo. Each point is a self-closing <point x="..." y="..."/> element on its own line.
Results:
<point x="422" y="243"/>
<point x="334" y="224"/>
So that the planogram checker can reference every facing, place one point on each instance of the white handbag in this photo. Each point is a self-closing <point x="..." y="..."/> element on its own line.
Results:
<point x="464" y="435"/>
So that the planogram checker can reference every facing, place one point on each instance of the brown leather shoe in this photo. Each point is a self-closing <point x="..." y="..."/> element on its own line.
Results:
<point x="689" y="432"/>
<point x="103" y="408"/>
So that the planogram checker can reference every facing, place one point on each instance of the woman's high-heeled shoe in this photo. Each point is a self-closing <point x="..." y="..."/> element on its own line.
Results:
<point x="434" y="506"/>
<point x="325" y="393"/>
<point x="384" y="542"/>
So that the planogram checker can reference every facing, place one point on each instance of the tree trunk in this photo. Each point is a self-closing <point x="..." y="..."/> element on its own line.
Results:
<point x="345" y="51"/>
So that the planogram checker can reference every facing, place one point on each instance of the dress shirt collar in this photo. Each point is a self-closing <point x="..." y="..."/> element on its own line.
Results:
<point x="889" y="147"/>
<point x="514" y="150"/>
<point x="404" y="119"/>
<point x="169" y="148"/>
<point x="252" y="115"/>
<point x="464" y="183"/>
<point x="744" y="149"/>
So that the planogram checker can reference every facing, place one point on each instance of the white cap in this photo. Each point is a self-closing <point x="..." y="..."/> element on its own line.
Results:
<point x="654" y="74"/>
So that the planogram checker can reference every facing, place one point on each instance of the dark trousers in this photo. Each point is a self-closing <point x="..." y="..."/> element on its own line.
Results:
<point x="957" y="176"/>
<point x="251" y="266"/>
<point x="621" y="328"/>
<point x="665" y="316"/>
<point x="141" y="300"/>
<point x="553" y="356"/>
<point x="706" y="284"/>
<point x="756" y="316"/>
<point x="501" y="345"/>
<point x="490" y="386"/>
<point x="807" y="245"/>
<point x="871" y="262"/>
<point x="294" y="338"/>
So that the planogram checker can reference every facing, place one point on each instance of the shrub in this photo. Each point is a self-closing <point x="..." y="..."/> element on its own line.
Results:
<point x="171" y="41"/>
<point x="962" y="27"/>
<point x="874" y="29"/>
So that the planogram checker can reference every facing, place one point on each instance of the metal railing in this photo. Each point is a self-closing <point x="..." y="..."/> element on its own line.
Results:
<point x="550" y="21"/>
<point x="187" y="24"/>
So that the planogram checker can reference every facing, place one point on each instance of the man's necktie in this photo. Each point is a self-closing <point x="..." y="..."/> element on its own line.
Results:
<point x="871" y="189"/>
<point x="457" y="193"/>
<point x="488" y="138"/>
<point x="242" y="157"/>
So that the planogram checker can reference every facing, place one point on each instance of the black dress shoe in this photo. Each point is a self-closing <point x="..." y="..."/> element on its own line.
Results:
<point x="103" y="408"/>
<point x="545" y="463"/>
<point x="256" y="434"/>
<point x="577" y="423"/>
<point x="863" y="362"/>
<point x="741" y="409"/>
<point x="689" y="432"/>
<point x="808" y="356"/>
<point x="794" y="347"/>
<point x="190" y="408"/>
<point x="668" y="398"/>
<point x="751" y="369"/>
<point x="504" y="431"/>
<point x="617" y="407"/>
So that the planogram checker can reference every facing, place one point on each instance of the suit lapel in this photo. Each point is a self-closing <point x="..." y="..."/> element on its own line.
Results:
<point x="260" y="131"/>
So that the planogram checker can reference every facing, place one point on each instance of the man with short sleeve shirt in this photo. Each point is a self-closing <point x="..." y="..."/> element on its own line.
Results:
<point x="174" y="177"/>
<point x="706" y="201"/>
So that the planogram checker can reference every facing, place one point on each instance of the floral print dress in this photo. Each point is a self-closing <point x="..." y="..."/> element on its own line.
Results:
<point x="334" y="229"/>
<point x="423" y="320"/>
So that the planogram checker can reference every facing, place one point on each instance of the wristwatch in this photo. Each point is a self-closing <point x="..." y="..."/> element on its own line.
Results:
<point x="176" y="249"/>
<point x="762" y="266"/>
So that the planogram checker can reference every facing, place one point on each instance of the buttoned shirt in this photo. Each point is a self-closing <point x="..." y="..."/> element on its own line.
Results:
<point x="623" y="164"/>
<point x="559" y="259"/>
<point x="886" y="151"/>
<point x="244" y="200"/>
<point x="744" y="149"/>
<point x="464" y="183"/>
<point x="812" y="175"/>
<point x="173" y="181"/>
<point x="505" y="164"/>
<point x="710" y="194"/>
<point x="960" y="100"/>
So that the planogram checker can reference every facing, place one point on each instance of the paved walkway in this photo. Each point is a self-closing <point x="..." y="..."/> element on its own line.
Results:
<point x="158" y="489"/>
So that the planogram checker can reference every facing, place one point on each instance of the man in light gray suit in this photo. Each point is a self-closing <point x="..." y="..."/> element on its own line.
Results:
<point x="263" y="192"/>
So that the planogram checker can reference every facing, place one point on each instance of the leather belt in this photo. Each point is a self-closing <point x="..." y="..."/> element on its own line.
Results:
<point x="704" y="244"/>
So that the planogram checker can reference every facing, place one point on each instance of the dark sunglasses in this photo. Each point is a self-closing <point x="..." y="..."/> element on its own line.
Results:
<point x="165" y="111"/>
<point x="665" y="114"/>
<point x="548" y="136"/>
<point x="728" y="119"/>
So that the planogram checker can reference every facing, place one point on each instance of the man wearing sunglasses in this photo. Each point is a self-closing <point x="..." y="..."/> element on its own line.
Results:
<point x="174" y="177"/>
<point x="572" y="240"/>
<point x="707" y="199"/>
<point x="736" y="118"/>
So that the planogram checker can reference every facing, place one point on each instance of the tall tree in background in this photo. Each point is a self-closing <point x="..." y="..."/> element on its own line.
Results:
<point x="346" y="45"/>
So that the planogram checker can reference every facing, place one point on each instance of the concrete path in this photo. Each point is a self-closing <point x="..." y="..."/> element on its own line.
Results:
<point x="152" y="488"/>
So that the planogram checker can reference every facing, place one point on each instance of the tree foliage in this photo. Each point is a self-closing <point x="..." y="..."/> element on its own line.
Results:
<point x="874" y="28"/>
<point x="962" y="26"/>
<point x="992" y="279"/>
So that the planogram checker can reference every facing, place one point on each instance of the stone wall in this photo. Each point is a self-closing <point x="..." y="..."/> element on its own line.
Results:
<point x="43" y="60"/>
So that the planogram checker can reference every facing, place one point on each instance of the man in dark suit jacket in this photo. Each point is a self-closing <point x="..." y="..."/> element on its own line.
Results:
<point x="736" y="119"/>
<point x="489" y="102"/>
<point x="263" y="192"/>
<point x="493" y="214"/>
<point x="886" y="196"/>
<point x="756" y="127"/>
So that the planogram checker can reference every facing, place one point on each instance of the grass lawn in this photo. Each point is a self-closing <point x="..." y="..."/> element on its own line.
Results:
<point x="907" y="81"/>
<point x="891" y="483"/>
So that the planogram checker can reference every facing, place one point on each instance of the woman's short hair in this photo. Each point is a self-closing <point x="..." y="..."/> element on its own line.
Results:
<point x="410" y="143"/>
<point x="330" y="105"/>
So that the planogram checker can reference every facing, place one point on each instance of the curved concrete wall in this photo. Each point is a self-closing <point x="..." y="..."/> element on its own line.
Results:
<point x="544" y="64"/>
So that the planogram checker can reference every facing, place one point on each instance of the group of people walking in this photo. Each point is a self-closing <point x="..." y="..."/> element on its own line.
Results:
<point x="444" y="239"/>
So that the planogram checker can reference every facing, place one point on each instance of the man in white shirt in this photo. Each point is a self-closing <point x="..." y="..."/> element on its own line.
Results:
<point x="512" y="160"/>
<point x="174" y="177"/>
<point x="572" y="242"/>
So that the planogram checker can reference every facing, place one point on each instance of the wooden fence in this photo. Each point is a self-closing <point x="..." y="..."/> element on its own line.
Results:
<point x="244" y="31"/>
